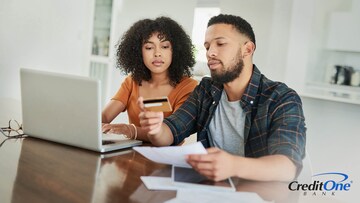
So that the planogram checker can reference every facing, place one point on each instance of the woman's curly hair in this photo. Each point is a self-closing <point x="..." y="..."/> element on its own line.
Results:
<point x="129" y="51"/>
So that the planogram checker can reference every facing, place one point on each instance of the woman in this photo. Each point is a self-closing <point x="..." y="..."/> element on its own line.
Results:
<point x="159" y="56"/>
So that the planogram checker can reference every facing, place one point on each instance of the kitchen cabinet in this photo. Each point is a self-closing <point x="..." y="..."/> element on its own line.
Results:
<point x="344" y="29"/>
<point x="343" y="39"/>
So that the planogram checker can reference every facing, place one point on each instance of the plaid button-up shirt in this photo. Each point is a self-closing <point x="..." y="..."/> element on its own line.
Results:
<point x="274" y="124"/>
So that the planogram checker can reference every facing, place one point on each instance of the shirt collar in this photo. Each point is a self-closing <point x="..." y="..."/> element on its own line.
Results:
<point x="249" y="96"/>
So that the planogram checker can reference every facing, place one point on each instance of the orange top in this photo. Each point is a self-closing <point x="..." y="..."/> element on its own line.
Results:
<point x="128" y="94"/>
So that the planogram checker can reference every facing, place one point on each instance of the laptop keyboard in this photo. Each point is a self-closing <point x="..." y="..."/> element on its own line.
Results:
<point x="112" y="138"/>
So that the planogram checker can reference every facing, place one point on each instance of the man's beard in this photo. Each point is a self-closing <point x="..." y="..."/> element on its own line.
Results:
<point x="225" y="76"/>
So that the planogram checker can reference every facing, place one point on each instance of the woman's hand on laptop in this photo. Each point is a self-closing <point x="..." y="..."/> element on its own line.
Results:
<point x="124" y="129"/>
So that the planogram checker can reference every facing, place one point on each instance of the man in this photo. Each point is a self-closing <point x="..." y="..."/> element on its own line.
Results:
<point x="254" y="126"/>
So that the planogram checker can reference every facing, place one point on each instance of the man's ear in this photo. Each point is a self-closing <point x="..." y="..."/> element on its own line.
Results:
<point x="249" y="48"/>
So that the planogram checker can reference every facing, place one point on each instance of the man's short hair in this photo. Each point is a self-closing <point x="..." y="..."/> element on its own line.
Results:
<point x="239" y="23"/>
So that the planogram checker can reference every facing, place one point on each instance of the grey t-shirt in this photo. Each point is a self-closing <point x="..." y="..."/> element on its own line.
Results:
<point x="227" y="126"/>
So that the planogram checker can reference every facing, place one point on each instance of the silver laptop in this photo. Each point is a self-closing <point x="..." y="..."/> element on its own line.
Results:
<point x="66" y="109"/>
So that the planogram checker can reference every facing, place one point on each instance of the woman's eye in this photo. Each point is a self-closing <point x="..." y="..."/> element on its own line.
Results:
<point x="166" y="47"/>
<point x="148" y="48"/>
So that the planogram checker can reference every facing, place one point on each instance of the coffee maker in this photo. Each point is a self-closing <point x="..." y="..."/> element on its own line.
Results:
<point x="342" y="75"/>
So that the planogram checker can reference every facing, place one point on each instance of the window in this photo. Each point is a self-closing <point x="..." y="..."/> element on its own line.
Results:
<point x="201" y="18"/>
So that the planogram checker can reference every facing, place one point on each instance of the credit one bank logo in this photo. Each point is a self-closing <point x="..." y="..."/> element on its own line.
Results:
<point x="332" y="182"/>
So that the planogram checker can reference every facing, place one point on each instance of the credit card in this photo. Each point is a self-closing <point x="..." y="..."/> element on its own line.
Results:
<point x="157" y="104"/>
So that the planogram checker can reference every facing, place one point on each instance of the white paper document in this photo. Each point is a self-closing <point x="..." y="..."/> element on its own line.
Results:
<point x="173" y="155"/>
<point x="158" y="183"/>
<point x="188" y="195"/>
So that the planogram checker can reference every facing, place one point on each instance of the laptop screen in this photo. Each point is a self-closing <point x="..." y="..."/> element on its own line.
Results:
<point x="61" y="108"/>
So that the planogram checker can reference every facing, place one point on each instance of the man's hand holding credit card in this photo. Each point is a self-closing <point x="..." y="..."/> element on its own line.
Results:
<point x="151" y="120"/>
<point x="157" y="104"/>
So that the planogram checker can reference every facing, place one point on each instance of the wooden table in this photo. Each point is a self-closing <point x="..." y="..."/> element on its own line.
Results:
<point x="33" y="170"/>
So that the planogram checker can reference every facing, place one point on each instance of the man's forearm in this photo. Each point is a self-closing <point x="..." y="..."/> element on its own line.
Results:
<point x="267" y="168"/>
<point x="163" y="138"/>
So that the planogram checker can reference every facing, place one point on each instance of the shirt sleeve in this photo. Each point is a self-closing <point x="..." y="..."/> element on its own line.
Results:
<point x="182" y="122"/>
<point x="123" y="94"/>
<point x="288" y="131"/>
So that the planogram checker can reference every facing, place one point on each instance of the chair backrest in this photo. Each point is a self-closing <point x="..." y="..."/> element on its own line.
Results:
<point x="306" y="174"/>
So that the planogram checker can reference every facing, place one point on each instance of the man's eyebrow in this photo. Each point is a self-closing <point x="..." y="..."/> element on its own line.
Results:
<point x="217" y="38"/>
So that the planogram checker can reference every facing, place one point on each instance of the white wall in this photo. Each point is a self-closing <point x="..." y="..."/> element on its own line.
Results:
<point x="271" y="23"/>
<point x="41" y="34"/>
